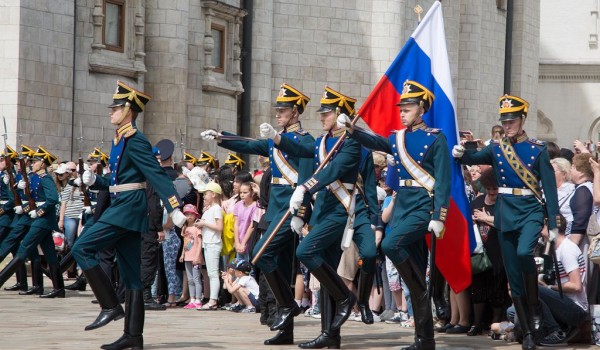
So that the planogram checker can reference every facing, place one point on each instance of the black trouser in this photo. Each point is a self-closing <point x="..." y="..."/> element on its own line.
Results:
<point x="150" y="256"/>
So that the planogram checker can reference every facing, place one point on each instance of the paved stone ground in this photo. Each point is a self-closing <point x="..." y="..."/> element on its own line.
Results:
<point x="34" y="323"/>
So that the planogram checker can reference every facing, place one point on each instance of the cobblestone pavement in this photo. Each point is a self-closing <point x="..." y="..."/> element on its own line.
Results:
<point x="28" y="322"/>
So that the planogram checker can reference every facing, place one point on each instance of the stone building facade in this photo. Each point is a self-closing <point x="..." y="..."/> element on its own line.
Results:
<point x="58" y="73"/>
<point x="569" y="78"/>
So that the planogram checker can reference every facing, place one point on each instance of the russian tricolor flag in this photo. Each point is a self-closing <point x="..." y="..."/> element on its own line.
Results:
<point x="424" y="58"/>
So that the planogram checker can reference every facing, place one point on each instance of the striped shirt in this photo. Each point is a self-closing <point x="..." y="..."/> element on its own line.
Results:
<point x="74" y="199"/>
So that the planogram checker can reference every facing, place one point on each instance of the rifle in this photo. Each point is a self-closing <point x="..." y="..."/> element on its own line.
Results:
<point x="287" y="214"/>
<point x="83" y="188"/>
<point x="30" y="201"/>
<point x="11" y="180"/>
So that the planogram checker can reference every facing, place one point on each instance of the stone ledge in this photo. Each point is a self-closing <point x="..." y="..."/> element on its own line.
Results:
<point x="114" y="65"/>
<point x="569" y="72"/>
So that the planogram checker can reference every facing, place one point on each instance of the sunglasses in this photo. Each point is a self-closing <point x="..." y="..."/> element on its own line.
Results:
<point x="73" y="170"/>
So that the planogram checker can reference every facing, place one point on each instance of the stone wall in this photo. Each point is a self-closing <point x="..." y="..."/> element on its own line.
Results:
<point x="10" y="19"/>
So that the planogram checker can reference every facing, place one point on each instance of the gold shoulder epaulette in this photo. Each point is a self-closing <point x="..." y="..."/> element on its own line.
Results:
<point x="130" y="133"/>
<point x="434" y="130"/>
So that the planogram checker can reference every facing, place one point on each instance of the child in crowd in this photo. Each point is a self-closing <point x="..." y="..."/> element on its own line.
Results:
<point x="243" y="211"/>
<point x="211" y="225"/>
<point x="192" y="255"/>
<point x="242" y="286"/>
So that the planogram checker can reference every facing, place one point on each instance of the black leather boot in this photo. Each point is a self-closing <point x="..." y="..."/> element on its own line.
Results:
<point x="80" y="284"/>
<point x="106" y="295"/>
<point x="287" y="308"/>
<point x="534" y="307"/>
<point x="421" y="303"/>
<point x="328" y="338"/>
<point x="524" y="323"/>
<point x="283" y="337"/>
<point x="58" y="284"/>
<point x="344" y="298"/>
<point x="11" y="268"/>
<point x="66" y="262"/>
<point x="132" y="337"/>
<point x="365" y="284"/>
<point x="21" y="284"/>
<point x="37" y="279"/>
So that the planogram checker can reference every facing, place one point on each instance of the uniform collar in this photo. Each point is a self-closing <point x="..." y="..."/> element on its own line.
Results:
<point x="337" y="133"/>
<point x="41" y="172"/>
<point x="519" y="139"/>
<point x="293" y="127"/>
<point x="121" y="131"/>
<point x="418" y="126"/>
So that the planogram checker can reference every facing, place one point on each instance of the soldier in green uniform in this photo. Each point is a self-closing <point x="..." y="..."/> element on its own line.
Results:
<point x="131" y="164"/>
<point x="422" y="163"/>
<point x="335" y="190"/>
<point x="7" y="213"/>
<point x="526" y="198"/>
<point x="287" y="171"/>
<point x="20" y="226"/>
<point x="43" y="222"/>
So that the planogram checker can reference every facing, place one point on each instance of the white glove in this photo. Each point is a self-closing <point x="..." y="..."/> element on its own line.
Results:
<point x="19" y="209"/>
<point x="21" y="185"/>
<point x="88" y="178"/>
<point x="178" y="218"/>
<point x="267" y="131"/>
<point x="343" y="120"/>
<point x="552" y="234"/>
<point x="77" y="182"/>
<point x="209" y="135"/>
<point x="297" y="198"/>
<point x="458" y="151"/>
<point x="297" y="224"/>
<point x="390" y="159"/>
<point x="373" y="227"/>
<point x="5" y="179"/>
<point x="87" y="210"/>
<point x="33" y="214"/>
<point x="436" y="227"/>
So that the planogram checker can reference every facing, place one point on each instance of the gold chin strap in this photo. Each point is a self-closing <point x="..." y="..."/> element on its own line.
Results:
<point x="338" y="110"/>
<point x="124" y="113"/>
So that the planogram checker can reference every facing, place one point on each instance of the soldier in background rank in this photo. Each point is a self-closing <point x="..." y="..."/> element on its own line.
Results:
<point x="287" y="171"/>
<point x="7" y="213"/>
<point x="335" y="190"/>
<point x="526" y="197"/>
<point x="422" y="161"/>
<point x="121" y="224"/>
<point x="235" y="162"/>
<point x="20" y="226"/>
<point x="43" y="222"/>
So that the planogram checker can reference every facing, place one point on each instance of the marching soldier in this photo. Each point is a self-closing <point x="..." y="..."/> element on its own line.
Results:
<point x="333" y="212"/>
<point x="235" y="162"/>
<point x="287" y="172"/>
<point x="526" y="197"/>
<point x="42" y="222"/>
<point x="19" y="227"/>
<point x="97" y="161"/>
<point x="7" y="213"/>
<point x="422" y="162"/>
<point x="131" y="163"/>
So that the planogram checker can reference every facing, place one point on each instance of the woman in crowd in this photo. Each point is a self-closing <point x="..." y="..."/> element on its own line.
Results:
<point x="564" y="186"/>
<point x="488" y="287"/>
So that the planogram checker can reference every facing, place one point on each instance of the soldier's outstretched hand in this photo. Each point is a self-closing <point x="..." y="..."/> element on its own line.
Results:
<point x="267" y="131"/>
<point x="458" y="151"/>
<point x="178" y="217"/>
<point x="209" y="135"/>
<point x="88" y="178"/>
